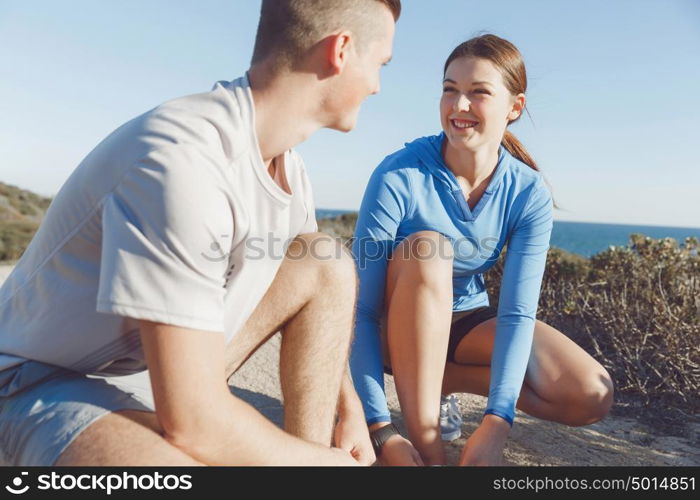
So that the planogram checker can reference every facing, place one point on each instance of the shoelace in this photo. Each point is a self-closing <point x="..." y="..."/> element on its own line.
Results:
<point x="449" y="409"/>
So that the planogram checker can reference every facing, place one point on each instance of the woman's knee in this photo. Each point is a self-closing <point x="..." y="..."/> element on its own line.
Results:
<point x="424" y="246"/>
<point x="424" y="254"/>
<point x="422" y="261"/>
<point x="593" y="401"/>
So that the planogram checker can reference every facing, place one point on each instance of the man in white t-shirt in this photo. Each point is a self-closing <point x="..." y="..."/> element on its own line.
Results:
<point x="180" y="244"/>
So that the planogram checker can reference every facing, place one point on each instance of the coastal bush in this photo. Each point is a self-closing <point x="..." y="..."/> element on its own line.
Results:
<point x="14" y="239"/>
<point x="22" y="201"/>
<point x="636" y="309"/>
<point x="21" y="212"/>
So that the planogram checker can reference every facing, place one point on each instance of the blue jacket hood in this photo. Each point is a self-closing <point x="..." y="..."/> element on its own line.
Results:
<point x="429" y="150"/>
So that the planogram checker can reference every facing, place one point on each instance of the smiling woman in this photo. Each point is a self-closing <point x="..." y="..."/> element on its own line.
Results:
<point x="483" y="89"/>
<point x="422" y="299"/>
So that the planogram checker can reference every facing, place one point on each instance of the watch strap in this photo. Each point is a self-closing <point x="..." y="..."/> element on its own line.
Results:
<point x="380" y="436"/>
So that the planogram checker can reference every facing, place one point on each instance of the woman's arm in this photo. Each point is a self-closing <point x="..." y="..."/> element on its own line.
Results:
<point x="520" y="290"/>
<point x="384" y="205"/>
<point x="517" y="305"/>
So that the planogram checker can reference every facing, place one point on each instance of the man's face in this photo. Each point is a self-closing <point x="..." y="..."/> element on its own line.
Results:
<point x="360" y="76"/>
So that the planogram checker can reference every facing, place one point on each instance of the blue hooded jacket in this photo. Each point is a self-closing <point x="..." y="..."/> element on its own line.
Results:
<point x="413" y="190"/>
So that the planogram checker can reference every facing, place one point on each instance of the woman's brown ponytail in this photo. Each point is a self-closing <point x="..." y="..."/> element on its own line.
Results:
<point x="516" y="149"/>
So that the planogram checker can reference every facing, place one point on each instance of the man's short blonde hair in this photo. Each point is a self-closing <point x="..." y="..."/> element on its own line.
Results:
<point x="289" y="28"/>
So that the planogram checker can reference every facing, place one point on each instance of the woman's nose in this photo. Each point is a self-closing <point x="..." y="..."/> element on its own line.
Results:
<point x="462" y="103"/>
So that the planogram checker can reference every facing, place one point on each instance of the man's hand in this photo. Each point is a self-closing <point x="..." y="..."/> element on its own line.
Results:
<point x="342" y="459"/>
<point x="201" y="417"/>
<point x="398" y="450"/>
<point x="485" y="445"/>
<point x="351" y="435"/>
<point x="351" y="432"/>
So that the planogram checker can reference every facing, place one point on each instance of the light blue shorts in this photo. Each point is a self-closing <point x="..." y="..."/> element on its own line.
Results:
<point x="39" y="422"/>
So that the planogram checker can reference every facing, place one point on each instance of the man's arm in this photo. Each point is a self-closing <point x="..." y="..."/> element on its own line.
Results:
<point x="351" y="433"/>
<point x="199" y="414"/>
<point x="349" y="403"/>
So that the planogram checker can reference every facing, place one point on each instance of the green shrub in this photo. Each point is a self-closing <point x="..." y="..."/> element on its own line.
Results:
<point x="636" y="309"/>
<point x="341" y="226"/>
<point x="15" y="238"/>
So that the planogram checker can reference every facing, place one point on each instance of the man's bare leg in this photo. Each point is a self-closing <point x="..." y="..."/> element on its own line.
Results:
<point x="124" y="438"/>
<point x="312" y="301"/>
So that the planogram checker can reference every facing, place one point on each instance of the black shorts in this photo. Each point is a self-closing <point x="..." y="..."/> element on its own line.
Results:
<point x="463" y="322"/>
<point x="466" y="324"/>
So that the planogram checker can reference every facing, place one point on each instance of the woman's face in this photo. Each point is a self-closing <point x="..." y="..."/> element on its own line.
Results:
<point x="476" y="107"/>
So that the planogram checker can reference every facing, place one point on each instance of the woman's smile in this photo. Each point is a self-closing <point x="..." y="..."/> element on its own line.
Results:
<point x="462" y="125"/>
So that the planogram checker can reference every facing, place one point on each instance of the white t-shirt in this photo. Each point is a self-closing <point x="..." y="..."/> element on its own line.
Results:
<point x="173" y="218"/>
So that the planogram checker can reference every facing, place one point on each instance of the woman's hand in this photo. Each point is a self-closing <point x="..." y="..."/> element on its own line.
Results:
<point x="485" y="445"/>
<point x="397" y="450"/>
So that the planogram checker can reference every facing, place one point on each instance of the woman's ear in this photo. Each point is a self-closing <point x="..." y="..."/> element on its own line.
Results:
<point x="517" y="109"/>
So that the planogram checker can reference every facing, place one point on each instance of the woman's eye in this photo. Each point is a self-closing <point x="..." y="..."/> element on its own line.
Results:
<point x="482" y="91"/>
<point x="447" y="89"/>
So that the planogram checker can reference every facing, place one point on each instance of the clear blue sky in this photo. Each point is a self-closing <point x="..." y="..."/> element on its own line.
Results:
<point x="614" y="91"/>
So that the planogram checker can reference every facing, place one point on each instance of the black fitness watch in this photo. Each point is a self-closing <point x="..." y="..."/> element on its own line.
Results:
<point x="380" y="436"/>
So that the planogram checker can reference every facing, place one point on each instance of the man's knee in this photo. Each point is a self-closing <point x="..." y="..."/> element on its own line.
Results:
<point x="324" y="258"/>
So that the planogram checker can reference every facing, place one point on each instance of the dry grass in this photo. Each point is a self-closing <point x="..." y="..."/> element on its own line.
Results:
<point x="21" y="212"/>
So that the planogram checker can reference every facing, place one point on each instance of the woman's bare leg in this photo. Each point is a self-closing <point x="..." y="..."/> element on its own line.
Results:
<point x="563" y="383"/>
<point x="419" y="309"/>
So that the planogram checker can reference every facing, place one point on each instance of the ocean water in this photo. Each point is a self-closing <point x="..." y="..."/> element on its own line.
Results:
<point x="585" y="238"/>
<point x="323" y="213"/>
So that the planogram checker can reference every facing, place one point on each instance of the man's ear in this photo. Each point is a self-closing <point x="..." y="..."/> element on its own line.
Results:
<point x="518" y="107"/>
<point x="338" y="50"/>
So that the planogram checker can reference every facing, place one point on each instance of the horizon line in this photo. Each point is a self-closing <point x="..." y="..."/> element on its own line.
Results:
<point x="695" y="228"/>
